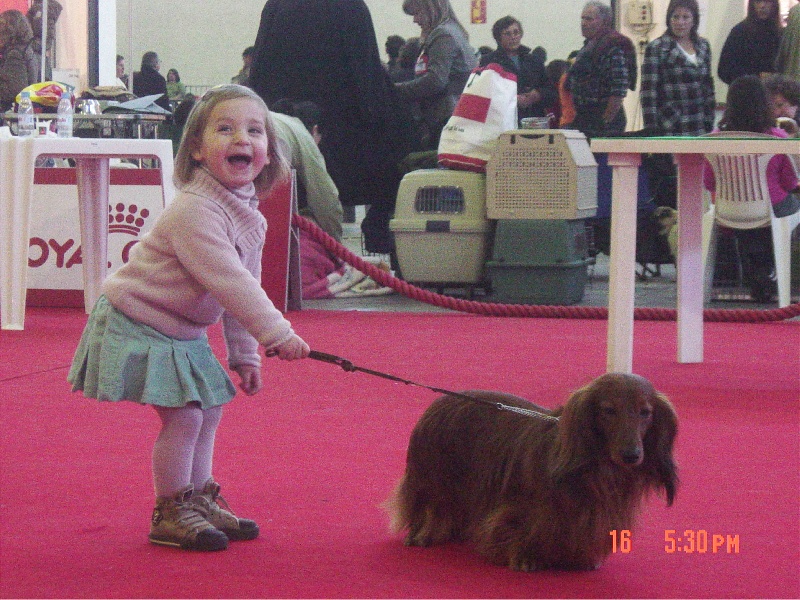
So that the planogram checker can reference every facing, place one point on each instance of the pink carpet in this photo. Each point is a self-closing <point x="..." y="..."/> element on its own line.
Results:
<point x="313" y="455"/>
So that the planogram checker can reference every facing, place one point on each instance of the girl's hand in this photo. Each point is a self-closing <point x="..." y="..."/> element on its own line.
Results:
<point x="291" y="349"/>
<point x="250" y="378"/>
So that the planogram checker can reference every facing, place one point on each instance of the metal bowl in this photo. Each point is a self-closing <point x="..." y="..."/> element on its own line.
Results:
<point x="87" y="106"/>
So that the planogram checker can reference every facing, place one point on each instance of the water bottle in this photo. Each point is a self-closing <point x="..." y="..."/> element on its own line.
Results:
<point x="64" y="120"/>
<point x="26" y="123"/>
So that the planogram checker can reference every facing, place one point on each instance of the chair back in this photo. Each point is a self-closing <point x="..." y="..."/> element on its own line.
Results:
<point x="742" y="199"/>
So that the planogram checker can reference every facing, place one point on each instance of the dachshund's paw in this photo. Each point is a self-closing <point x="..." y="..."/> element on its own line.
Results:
<point x="416" y="540"/>
<point x="524" y="564"/>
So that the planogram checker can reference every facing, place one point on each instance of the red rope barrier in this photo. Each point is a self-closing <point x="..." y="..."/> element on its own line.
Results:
<point x="525" y="310"/>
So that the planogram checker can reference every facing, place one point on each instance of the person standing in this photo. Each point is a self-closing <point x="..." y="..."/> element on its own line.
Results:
<point x="752" y="44"/>
<point x="787" y="62"/>
<point x="325" y="51"/>
<point x="149" y="81"/>
<point x="243" y="76"/>
<point x="604" y="70"/>
<point x="19" y="64"/>
<point x="536" y="94"/>
<point x="445" y="62"/>
<point x="677" y="86"/>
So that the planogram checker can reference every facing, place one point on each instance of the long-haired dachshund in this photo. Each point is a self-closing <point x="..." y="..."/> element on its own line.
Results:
<point x="536" y="494"/>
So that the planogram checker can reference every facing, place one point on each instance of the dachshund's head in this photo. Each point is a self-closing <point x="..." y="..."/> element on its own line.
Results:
<point x="622" y="419"/>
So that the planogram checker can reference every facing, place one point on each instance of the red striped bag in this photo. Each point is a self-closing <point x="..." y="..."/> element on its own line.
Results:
<point x="487" y="107"/>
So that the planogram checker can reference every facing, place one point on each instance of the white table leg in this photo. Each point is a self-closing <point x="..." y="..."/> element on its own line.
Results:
<point x="93" y="189"/>
<point x="622" y="265"/>
<point x="16" y="186"/>
<point x="690" y="257"/>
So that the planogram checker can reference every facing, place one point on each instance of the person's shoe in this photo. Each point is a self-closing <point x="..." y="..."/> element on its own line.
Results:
<point x="207" y="504"/>
<point x="176" y="522"/>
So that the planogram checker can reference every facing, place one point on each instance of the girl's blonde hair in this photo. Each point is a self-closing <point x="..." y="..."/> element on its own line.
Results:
<point x="275" y="172"/>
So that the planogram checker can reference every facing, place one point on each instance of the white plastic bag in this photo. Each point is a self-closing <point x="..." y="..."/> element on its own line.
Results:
<point x="486" y="108"/>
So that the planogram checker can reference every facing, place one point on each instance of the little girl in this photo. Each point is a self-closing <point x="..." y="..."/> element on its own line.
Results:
<point x="748" y="109"/>
<point x="146" y="340"/>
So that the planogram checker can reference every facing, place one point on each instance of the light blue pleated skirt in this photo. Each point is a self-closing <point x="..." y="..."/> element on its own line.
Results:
<point x="121" y="359"/>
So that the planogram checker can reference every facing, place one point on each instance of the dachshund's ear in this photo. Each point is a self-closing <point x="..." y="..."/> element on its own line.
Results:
<point x="658" y="444"/>
<point x="576" y="441"/>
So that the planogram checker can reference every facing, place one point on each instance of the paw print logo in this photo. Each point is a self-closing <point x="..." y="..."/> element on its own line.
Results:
<point x="130" y="219"/>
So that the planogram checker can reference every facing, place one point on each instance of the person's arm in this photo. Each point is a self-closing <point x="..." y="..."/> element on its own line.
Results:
<point x="13" y="77"/>
<point x="321" y="193"/>
<point x="540" y="89"/>
<point x="201" y="243"/>
<point x="727" y="68"/>
<point x="710" y="107"/>
<point x="613" y="106"/>
<point x="440" y="52"/>
<point x="163" y="101"/>
<point x="649" y="90"/>
<point x="617" y="84"/>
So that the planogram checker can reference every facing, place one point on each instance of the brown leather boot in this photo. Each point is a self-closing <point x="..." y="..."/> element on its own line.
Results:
<point x="207" y="504"/>
<point x="177" y="522"/>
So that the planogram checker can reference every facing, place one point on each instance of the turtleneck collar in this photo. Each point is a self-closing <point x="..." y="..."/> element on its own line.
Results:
<point x="246" y="193"/>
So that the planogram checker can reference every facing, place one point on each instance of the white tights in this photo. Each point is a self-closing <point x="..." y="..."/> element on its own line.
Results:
<point x="184" y="450"/>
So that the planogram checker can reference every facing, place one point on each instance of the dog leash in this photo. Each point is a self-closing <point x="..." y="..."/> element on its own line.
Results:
<point x="349" y="367"/>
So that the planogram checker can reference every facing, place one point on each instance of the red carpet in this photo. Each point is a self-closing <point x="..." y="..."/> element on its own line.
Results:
<point x="313" y="455"/>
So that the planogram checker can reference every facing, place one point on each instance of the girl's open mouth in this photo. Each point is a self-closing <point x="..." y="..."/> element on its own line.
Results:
<point x="240" y="159"/>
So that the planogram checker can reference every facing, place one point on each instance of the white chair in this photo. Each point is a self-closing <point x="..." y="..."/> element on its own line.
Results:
<point x="742" y="201"/>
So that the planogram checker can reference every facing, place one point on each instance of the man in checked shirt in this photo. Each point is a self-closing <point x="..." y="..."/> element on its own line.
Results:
<point x="604" y="70"/>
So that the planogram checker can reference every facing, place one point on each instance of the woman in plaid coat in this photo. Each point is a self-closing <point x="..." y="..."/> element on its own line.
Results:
<point x="677" y="87"/>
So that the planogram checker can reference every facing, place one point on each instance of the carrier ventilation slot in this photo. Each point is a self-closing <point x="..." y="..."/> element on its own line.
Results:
<point x="439" y="200"/>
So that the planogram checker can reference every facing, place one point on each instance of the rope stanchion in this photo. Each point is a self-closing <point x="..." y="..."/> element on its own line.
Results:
<point x="526" y="310"/>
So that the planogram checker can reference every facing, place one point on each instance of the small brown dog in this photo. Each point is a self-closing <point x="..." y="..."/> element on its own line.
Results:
<point x="532" y="493"/>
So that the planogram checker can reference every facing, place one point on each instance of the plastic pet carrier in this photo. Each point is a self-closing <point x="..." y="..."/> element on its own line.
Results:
<point x="541" y="174"/>
<point x="440" y="227"/>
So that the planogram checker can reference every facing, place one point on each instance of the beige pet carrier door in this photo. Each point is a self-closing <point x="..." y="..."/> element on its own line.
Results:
<point x="541" y="174"/>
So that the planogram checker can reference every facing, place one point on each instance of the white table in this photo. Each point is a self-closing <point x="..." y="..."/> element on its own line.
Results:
<point x="624" y="156"/>
<point x="17" y="160"/>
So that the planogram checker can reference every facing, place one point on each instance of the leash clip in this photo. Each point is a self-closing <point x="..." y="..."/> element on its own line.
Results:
<point x="333" y="359"/>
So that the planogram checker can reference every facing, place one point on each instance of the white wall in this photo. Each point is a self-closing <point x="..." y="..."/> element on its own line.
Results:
<point x="71" y="38"/>
<point x="204" y="39"/>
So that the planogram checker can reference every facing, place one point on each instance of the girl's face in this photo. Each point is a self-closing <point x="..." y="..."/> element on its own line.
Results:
<point x="681" y="22"/>
<point x="781" y="107"/>
<point x="171" y="76"/>
<point x="234" y="145"/>
<point x="511" y="38"/>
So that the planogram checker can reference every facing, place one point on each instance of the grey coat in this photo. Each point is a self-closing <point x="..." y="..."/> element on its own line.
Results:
<point x="444" y="65"/>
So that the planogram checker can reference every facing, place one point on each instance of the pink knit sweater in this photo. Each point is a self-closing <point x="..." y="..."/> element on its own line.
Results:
<point x="202" y="261"/>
